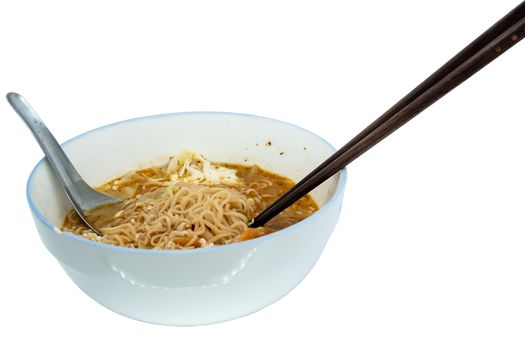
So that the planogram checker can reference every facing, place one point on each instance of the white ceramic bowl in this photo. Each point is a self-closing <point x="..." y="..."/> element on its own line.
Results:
<point x="198" y="286"/>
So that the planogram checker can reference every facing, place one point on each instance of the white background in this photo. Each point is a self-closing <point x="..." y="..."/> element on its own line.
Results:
<point x="429" y="252"/>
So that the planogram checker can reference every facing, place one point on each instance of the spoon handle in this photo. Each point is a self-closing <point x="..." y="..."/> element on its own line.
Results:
<point x="56" y="157"/>
<point x="80" y="194"/>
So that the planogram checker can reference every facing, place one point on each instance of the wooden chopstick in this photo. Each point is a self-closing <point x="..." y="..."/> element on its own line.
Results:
<point x="487" y="47"/>
<point x="480" y="42"/>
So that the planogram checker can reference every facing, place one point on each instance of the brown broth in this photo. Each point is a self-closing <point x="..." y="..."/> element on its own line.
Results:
<point x="301" y="209"/>
<point x="138" y="183"/>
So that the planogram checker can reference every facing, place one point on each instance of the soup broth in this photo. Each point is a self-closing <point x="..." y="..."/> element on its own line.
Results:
<point x="189" y="203"/>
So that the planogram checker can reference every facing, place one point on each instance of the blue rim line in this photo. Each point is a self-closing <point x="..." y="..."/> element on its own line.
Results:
<point x="40" y="216"/>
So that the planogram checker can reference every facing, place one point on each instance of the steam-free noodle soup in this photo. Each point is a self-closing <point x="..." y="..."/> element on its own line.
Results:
<point x="189" y="203"/>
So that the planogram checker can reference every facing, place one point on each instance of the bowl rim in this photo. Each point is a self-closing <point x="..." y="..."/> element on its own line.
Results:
<point x="43" y="219"/>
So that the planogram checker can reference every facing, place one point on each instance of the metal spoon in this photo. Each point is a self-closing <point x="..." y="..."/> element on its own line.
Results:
<point x="80" y="194"/>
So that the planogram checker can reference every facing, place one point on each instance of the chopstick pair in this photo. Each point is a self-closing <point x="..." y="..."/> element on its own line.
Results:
<point x="487" y="47"/>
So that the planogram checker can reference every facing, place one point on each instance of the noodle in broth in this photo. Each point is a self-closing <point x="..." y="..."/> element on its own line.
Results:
<point x="189" y="203"/>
